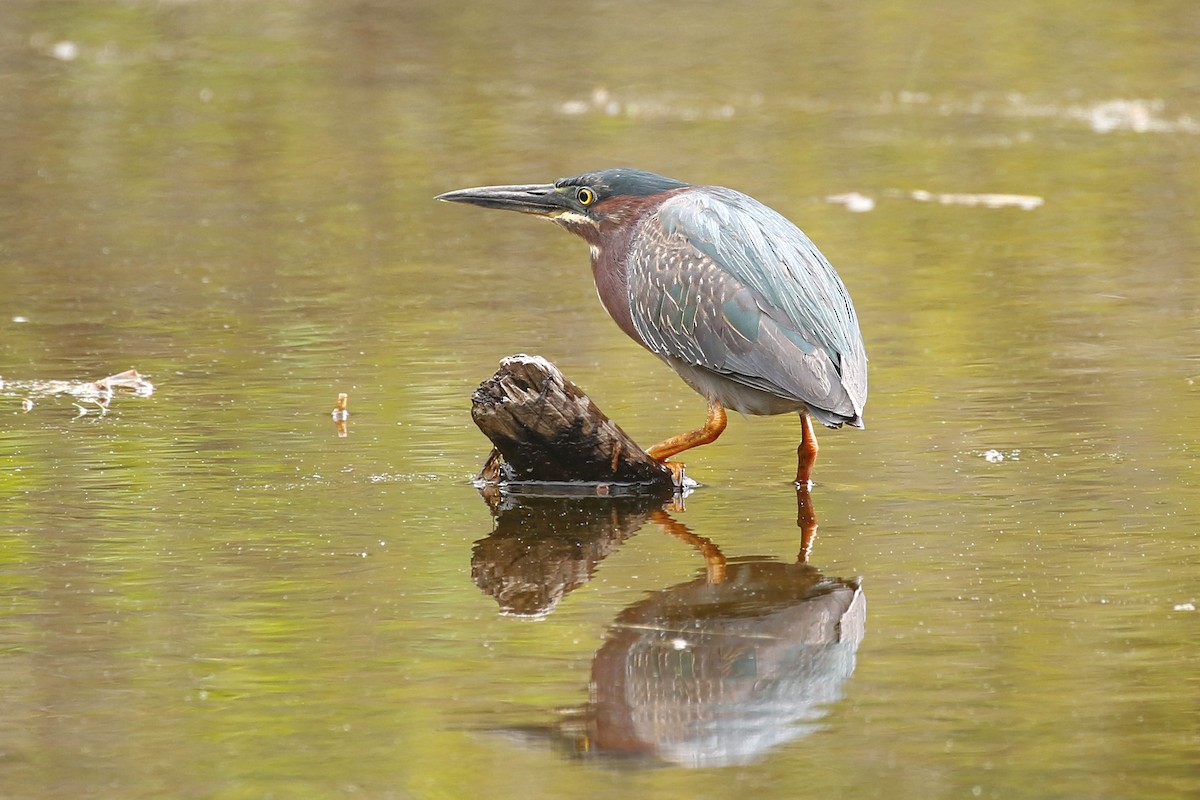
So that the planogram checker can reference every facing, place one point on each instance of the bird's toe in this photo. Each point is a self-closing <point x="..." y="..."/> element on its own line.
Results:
<point x="677" y="473"/>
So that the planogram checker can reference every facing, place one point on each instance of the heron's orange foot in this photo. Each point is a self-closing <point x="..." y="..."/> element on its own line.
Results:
<point x="677" y="475"/>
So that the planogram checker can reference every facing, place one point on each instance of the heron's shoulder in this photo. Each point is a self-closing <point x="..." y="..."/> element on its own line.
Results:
<point x="731" y="225"/>
<point x="699" y="206"/>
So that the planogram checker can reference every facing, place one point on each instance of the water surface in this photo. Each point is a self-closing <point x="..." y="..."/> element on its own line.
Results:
<point x="208" y="593"/>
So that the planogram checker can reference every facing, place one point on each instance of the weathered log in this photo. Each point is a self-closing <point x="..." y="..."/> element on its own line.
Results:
<point x="546" y="430"/>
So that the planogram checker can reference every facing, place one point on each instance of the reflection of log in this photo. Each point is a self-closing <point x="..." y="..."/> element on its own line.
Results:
<point x="543" y="548"/>
<point x="546" y="429"/>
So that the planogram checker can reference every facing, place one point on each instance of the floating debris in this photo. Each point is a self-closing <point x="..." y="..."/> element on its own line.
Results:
<point x="859" y="203"/>
<point x="1025" y="202"/>
<point x="84" y="394"/>
<point x="853" y="201"/>
<point x="995" y="456"/>
<point x="129" y="379"/>
<point x="1137" y="115"/>
<point x="603" y="102"/>
<point x="1124" y="114"/>
<point x="340" y="414"/>
<point x="65" y="51"/>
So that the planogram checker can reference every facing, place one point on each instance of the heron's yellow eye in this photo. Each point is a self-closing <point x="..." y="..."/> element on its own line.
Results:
<point x="585" y="196"/>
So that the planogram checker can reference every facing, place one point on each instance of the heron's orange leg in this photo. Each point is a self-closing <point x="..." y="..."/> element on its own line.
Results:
<point x="713" y="426"/>
<point x="807" y="451"/>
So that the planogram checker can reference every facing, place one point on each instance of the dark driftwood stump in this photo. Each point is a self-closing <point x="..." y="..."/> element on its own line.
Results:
<point x="546" y="430"/>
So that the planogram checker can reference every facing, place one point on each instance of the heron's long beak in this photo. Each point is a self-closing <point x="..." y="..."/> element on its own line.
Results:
<point x="544" y="200"/>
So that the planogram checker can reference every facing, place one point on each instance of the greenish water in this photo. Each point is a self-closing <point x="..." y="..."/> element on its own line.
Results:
<point x="208" y="593"/>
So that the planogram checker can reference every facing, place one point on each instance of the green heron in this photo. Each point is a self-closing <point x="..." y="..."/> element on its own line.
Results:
<point x="733" y="296"/>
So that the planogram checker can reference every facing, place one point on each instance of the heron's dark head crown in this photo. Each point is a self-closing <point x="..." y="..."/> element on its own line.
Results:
<point x="619" y="182"/>
<point x="609" y="200"/>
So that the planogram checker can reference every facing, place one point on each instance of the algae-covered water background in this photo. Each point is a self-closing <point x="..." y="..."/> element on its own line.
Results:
<point x="206" y="592"/>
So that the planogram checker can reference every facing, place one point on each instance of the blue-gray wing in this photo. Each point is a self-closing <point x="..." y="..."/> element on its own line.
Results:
<point x="720" y="281"/>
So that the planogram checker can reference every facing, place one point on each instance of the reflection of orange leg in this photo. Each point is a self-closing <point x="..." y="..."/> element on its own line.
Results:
<point x="713" y="426"/>
<point x="807" y="452"/>
<point x="806" y="521"/>
<point x="713" y="557"/>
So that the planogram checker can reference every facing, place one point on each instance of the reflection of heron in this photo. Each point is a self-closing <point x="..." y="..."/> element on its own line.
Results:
<point x="705" y="674"/>
<point x="711" y="672"/>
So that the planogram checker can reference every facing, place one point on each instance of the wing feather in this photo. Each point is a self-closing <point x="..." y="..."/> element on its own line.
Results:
<point x="720" y="281"/>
